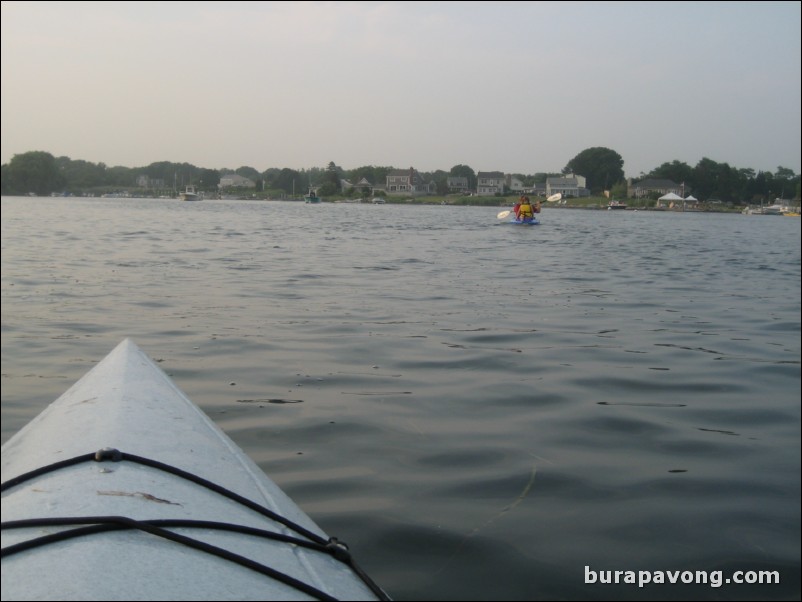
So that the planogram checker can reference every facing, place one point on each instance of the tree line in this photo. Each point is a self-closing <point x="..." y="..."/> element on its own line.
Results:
<point x="42" y="174"/>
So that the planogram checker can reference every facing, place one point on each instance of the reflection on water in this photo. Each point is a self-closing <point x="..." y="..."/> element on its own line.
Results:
<point x="480" y="411"/>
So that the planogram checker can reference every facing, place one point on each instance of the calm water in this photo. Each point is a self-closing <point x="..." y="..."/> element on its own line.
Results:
<point x="480" y="410"/>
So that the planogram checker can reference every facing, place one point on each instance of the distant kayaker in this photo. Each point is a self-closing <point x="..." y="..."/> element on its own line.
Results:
<point x="517" y="207"/>
<point x="537" y="207"/>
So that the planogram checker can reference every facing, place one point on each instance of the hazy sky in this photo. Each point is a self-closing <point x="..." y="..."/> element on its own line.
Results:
<point x="518" y="87"/>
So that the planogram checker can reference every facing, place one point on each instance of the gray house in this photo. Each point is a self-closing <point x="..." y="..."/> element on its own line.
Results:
<point x="408" y="181"/>
<point x="489" y="183"/>
<point x="362" y="184"/>
<point x="457" y="184"/>
<point x="570" y="186"/>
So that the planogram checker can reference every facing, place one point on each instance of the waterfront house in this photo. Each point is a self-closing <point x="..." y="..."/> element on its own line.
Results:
<point x="489" y="183"/>
<point x="234" y="180"/>
<point x="513" y="183"/>
<point x="570" y="186"/>
<point x="457" y="184"/>
<point x="408" y="181"/>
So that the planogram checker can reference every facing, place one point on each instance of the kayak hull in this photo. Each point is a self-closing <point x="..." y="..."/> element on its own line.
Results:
<point x="525" y="222"/>
<point x="128" y="403"/>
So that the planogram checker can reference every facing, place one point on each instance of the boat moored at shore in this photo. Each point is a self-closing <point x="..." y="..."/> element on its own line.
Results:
<point x="312" y="197"/>
<point x="190" y="194"/>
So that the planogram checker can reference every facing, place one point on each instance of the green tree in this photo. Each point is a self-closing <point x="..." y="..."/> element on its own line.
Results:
<point x="81" y="175"/>
<point x="328" y="189"/>
<point x="463" y="171"/>
<point x="247" y="172"/>
<point x="289" y="181"/>
<point x="163" y="170"/>
<point x="210" y="178"/>
<point x="333" y="177"/>
<point x="270" y="176"/>
<point x="34" y="171"/>
<point x="440" y="178"/>
<point x="718" y="181"/>
<point x="619" y="190"/>
<point x="676" y="171"/>
<point x="121" y="177"/>
<point x="4" y="181"/>
<point x="375" y="175"/>
<point x="602" y="167"/>
<point x="786" y="183"/>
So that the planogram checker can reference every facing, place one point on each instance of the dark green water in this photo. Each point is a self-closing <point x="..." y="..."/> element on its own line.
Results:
<point x="480" y="410"/>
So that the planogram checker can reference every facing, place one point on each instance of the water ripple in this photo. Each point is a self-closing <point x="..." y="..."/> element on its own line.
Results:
<point x="474" y="428"/>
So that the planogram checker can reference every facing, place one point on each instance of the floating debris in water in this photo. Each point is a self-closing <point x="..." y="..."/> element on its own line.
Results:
<point x="723" y="432"/>
<point x="642" y="404"/>
<point x="277" y="400"/>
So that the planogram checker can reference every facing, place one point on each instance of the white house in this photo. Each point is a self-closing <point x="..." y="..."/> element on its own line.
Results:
<point x="234" y="180"/>
<point x="513" y="183"/>
<point x="144" y="181"/>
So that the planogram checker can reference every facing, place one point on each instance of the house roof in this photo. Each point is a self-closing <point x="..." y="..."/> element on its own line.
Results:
<point x="572" y="181"/>
<point x="347" y="183"/>
<point x="656" y="184"/>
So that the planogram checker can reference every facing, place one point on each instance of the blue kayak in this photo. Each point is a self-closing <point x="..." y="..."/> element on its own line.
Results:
<point x="525" y="222"/>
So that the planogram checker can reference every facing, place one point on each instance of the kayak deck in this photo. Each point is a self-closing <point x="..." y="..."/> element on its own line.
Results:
<point x="169" y="449"/>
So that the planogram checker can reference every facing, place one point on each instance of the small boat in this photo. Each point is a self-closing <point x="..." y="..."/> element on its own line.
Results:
<point x="775" y="209"/>
<point x="616" y="205"/>
<point x="190" y="194"/>
<point x="123" y="489"/>
<point x="312" y="197"/>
